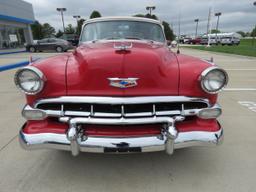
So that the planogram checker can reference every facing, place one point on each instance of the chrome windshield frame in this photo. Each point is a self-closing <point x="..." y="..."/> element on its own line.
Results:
<point x="135" y="19"/>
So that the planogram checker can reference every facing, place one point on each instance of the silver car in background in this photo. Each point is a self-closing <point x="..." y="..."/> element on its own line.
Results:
<point x="48" y="44"/>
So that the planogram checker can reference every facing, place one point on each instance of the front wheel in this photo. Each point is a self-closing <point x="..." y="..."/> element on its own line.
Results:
<point x="59" y="49"/>
<point x="32" y="49"/>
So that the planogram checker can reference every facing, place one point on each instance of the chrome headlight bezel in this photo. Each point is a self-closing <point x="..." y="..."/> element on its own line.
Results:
<point x="40" y="77"/>
<point x="204" y="75"/>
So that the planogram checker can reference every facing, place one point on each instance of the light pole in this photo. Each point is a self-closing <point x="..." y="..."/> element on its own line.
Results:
<point x="61" y="10"/>
<point x="254" y="3"/>
<point x="150" y="9"/>
<point x="209" y="26"/>
<point x="218" y="20"/>
<point x="217" y="26"/>
<point x="196" y="20"/>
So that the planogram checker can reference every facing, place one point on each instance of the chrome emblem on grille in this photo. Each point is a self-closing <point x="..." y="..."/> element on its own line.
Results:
<point x="123" y="82"/>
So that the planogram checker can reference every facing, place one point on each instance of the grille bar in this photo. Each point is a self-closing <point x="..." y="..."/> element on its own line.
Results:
<point x="122" y="100"/>
<point x="126" y="109"/>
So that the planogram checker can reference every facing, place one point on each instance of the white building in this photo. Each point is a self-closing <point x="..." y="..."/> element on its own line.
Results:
<point x="16" y="16"/>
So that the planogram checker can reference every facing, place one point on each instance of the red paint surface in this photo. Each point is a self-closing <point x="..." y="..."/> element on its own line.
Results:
<point x="190" y="71"/>
<point x="53" y="69"/>
<point x="86" y="71"/>
<point x="122" y="131"/>
<point x="48" y="126"/>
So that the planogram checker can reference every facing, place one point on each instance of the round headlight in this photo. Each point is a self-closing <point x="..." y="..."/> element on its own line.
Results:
<point x="30" y="80"/>
<point x="213" y="80"/>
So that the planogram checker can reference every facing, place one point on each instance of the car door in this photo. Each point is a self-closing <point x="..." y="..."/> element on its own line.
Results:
<point x="52" y="44"/>
<point x="42" y="44"/>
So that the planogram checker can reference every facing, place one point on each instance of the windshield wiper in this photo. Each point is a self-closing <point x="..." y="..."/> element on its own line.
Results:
<point x="110" y="38"/>
<point x="137" y="38"/>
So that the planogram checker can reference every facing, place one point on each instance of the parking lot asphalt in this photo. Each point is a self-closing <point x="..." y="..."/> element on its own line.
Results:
<point x="230" y="167"/>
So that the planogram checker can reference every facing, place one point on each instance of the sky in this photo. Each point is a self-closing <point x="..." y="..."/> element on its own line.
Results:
<point x="236" y="14"/>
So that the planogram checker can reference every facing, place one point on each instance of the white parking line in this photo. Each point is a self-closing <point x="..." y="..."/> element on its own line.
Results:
<point x="249" y="104"/>
<point x="240" y="89"/>
<point x="240" y="69"/>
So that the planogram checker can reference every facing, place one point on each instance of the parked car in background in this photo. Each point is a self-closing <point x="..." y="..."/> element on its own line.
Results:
<point x="221" y="39"/>
<point x="72" y="38"/>
<point x="211" y="39"/>
<point x="121" y="91"/>
<point x="195" y="41"/>
<point x="184" y="39"/>
<point x="230" y="39"/>
<point x="47" y="44"/>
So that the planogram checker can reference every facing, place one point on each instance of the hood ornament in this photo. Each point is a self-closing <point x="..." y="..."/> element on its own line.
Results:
<point x="123" y="82"/>
<point x="123" y="47"/>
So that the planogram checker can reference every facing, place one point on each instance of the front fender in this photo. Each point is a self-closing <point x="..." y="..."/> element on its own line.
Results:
<point x="190" y="71"/>
<point x="54" y="69"/>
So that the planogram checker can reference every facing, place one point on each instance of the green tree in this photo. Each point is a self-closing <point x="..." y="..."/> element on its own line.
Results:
<point x="247" y="34"/>
<point x="151" y="16"/>
<point x="40" y="31"/>
<point x="70" y="29"/>
<point x="36" y="28"/>
<point x="168" y="31"/>
<point x="79" y="26"/>
<point x="59" y="34"/>
<point x="95" y="14"/>
<point x="243" y="34"/>
<point x="253" y="33"/>
<point x="47" y="30"/>
<point x="215" y="31"/>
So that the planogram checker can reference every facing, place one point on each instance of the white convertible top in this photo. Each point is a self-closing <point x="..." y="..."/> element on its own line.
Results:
<point x="129" y="18"/>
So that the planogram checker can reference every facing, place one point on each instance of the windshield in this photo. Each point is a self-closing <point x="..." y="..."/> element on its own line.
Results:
<point x="122" y="30"/>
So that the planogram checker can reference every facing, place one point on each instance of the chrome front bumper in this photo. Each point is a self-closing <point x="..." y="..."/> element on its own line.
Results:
<point x="75" y="139"/>
<point x="161" y="142"/>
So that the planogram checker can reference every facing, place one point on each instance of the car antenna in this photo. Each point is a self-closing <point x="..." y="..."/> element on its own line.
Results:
<point x="178" y="51"/>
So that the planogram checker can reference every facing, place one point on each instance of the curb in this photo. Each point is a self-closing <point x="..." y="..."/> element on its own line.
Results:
<point x="7" y="53"/>
<point x="222" y="53"/>
<point x="13" y="66"/>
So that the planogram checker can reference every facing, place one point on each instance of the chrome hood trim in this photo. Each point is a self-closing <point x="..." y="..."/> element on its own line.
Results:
<point x="122" y="100"/>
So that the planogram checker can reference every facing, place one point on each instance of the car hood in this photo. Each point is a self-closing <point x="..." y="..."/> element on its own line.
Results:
<point x="92" y="64"/>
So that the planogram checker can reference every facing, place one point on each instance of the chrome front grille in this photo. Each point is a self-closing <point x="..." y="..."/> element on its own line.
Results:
<point x="111" y="107"/>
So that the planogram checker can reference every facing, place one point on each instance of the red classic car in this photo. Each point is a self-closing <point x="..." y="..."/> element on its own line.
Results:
<point x="122" y="90"/>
